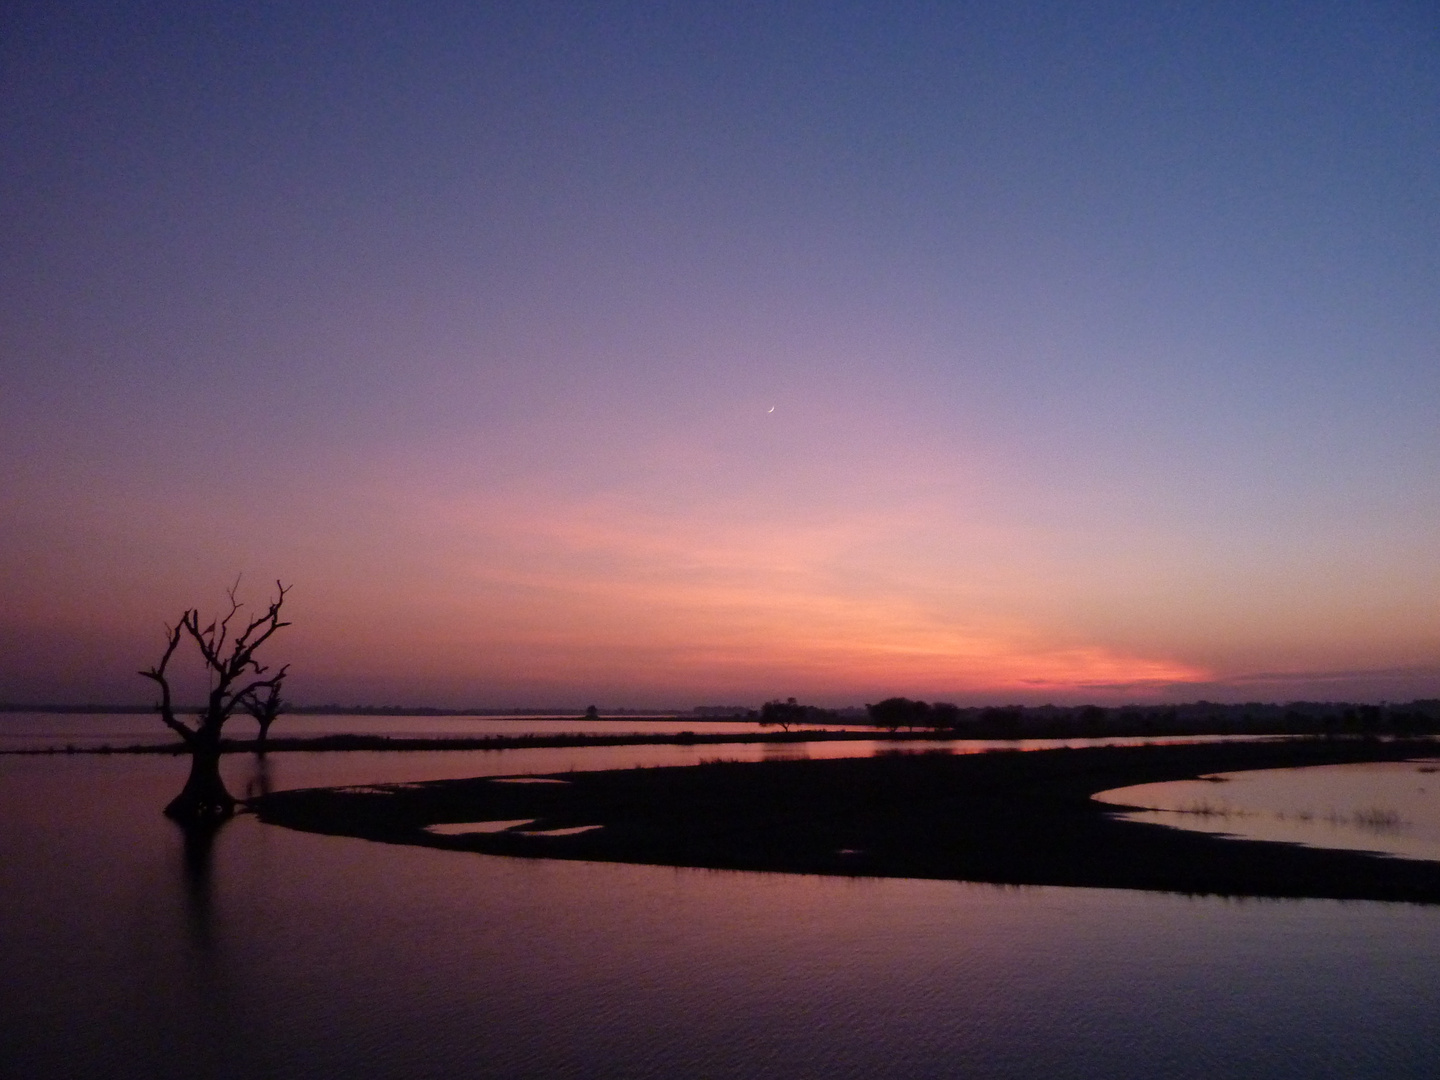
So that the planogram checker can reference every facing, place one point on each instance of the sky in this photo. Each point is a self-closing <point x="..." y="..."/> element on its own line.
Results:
<point x="656" y="355"/>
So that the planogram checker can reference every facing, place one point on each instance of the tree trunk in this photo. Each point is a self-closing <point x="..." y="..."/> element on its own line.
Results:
<point x="204" y="797"/>
<point x="264" y="722"/>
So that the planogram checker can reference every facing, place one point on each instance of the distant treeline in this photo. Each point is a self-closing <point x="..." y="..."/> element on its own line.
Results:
<point x="1198" y="718"/>
<point x="1096" y="721"/>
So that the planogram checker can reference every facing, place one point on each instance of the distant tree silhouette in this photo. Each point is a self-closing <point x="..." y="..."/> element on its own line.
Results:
<point x="943" y="714"/>
<point x="265" y="710"/>
<point x="784" y="713"/>
<point x="1002" y="723"/>
<point x="897" y="712"/>
<point x="237" y="680"/>
<point x="790" y="711"/>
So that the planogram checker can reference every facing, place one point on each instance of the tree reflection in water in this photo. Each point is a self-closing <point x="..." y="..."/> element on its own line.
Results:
<point x="198" y="867"/>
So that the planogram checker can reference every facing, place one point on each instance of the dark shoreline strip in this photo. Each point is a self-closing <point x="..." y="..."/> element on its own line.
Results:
<point x="1015" y="818"/>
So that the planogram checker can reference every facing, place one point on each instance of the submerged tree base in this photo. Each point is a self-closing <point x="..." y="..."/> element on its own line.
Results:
<point x="204" y="797"/>
<point x="187" y="808"/>
<point x="1019" y="818"/>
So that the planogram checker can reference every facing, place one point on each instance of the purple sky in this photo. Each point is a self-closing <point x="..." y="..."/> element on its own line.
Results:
<point x="1102" y="342"/>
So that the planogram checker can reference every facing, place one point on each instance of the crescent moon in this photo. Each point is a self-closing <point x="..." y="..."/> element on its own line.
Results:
<point x="770" y="409"/>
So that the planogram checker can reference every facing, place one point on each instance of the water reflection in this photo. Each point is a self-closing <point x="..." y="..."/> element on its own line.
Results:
<point x="31" y="730"/>
<point x="198" y="869"/>
<point x="261" y="780"/>
<point x="312" y="956"/>
<point x="38" y="731"/>
<point x="1392" y="808"/>
<point x="198" y="843"/>
<point x="785" y="751"/>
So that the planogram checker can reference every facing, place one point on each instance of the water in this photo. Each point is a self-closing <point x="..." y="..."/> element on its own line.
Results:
<point x="58" y="731"/>
<point x="35" y="730"/>
<point x="1387" y="807"/>
<point x="286" y="955"/>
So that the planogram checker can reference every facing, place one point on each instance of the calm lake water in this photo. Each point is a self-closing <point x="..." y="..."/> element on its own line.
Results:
<point x="39" y="731"/>
<point x="288" y="955"/>
<point x="26" y="730"/>
<point x="1389" y="807"/>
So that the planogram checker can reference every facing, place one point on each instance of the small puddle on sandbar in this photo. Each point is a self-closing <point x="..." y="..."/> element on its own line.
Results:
<point x="1389" y="808"/>
<point x="465" y="828"/>
<point x="526" y="780"/>
<point x="468" y="828"/>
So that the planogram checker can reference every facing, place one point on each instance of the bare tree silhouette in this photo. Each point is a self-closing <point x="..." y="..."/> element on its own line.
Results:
<point x="237" y="680"/>
<point x="265" y="710"/>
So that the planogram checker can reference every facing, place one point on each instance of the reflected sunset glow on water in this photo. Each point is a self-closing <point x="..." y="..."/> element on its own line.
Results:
<point x="1388" y="807"/>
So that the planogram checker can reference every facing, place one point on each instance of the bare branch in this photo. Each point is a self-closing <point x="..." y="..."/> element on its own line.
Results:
<point x="247" y="696"/>
<point x="226" y="668"/>
<point x="243" y="654"/>
<point x="165" y="707"/>
<point x="204" y="639"/>
<point x="235" y="606"/>
<point x="228" y="656"/>
<point x="269" y="708"/>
